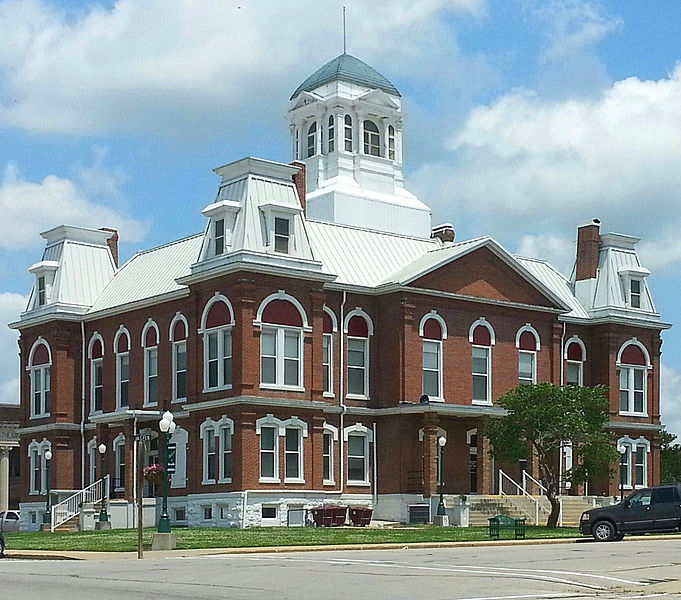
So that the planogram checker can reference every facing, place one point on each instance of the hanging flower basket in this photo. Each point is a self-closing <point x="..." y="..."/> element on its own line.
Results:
<point x="154" y="474"/>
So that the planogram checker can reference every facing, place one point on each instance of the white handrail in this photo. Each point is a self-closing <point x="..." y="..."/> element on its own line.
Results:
<point x="68" y="508"/>
<point x="521" y="492"/>
<point x="527" y="476"/>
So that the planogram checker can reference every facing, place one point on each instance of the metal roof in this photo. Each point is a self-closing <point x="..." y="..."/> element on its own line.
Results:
<point x="150" y="273"/>
<point x="346" y="67"/>
<point x="363" y="257"/>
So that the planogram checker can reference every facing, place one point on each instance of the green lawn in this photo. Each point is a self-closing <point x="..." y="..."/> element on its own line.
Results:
<point x="125" y="540"/>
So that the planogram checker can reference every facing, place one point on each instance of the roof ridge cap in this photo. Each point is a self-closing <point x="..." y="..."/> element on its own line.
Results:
<point x="369" y="230"/>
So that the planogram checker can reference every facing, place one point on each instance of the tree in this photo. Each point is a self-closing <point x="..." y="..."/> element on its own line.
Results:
<point x="670" y="458"/>
<point x="543" y="419"/>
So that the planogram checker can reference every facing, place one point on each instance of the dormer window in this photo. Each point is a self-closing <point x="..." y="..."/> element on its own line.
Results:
<point x="635" y="293"/>
<point x="372" y="139"/>
<point x="41" y="291"/>
<point x="348" y="133"/>
<point x="281" y="235"/>
<point x="312" y="140"/>
<point x="219" y="237"/>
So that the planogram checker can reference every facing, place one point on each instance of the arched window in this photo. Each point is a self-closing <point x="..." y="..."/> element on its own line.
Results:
<point x="527" y="342"/>
<point x="372" y="139"/>
<point x="433" y="330"/>
<point x="216" y="327"/>
<point x="358" y="437"/>
<point x="330" y="326"/>
<point x="150" y="345"/>
<point x="93" y="456"/>
<point x="39" y="363"/>
<point x="217" y="450"/>
<point x="178" y="338"/>
<point x="332" y="134"/>
<point x="348" y="133"/>
<point x="96" y="354"/>
<point x="281" y="342"/>
<point x="38" y="465"/>
<point x="575" y="354"/>
<point x="481" y="336"/>
<point x="359" y="328"/>
<point x="633" y="462"/>
<point x="330" y="439"/>
<point x="633" y="362"/>
<point x="312" y="140"/>
<point x="122" y="351"/>
<point x="270" y="430"/>
<point x="391" y="142"/>
<point x="119" y="456"/>
<point x="472" y="443"/>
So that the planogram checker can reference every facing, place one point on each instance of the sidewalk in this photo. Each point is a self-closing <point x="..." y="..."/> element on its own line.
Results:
<point x="148" y="554"/>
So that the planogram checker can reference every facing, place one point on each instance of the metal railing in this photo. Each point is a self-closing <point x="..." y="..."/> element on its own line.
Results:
<point x="542" y="492"/>
<point x="69" y="508"/>
<point x="504" y="481"/>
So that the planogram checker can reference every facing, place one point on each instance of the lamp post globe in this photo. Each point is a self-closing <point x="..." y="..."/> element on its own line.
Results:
<point x="103" y="515"/>
<point x="441" y="512"/>
<point x="47" y="517"/>
<point x="167" y="427"/>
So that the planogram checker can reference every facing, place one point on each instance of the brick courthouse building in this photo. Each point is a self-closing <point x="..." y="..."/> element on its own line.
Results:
<point x="316" y="340"/>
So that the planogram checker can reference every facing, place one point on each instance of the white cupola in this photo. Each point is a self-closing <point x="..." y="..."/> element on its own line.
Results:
<point x="346" y="126"/>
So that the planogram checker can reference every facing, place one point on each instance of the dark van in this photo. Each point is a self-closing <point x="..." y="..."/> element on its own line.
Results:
<point x="649" y="510"/>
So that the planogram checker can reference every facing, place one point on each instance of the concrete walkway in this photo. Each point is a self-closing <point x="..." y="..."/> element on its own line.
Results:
<point x="102" y="556"/>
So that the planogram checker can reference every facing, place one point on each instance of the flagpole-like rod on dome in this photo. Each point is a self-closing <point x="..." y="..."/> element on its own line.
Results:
<point x="344" y="30"/>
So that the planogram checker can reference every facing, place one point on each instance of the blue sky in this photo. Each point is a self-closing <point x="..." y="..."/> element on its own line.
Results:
<point x="523" y="118"/>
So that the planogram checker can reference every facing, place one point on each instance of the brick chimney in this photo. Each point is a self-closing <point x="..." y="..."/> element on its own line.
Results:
<point x="444" y="232"/>
<point x="299" y="181"/>
<point x="588" y="239"/>
<point x="112" y="242"/>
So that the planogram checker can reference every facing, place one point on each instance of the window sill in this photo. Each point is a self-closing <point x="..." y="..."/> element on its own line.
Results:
<point x="34" y="417"/>
<point x="150" y="405"/>
<point x="96" y="412"/>
<point x="293" y="480"/>
<point x="358" y="483"/>
<point x="208" y="482"/>
<point x="356" y="397"/>
<point x="228" y="480"/>
<point x="122" y="408"/>
<point x="269" y="480"/>
<point x="329" y="482"/>
<point x="287" y="388"/>
<point x="119" y="489"/>
<point x="434" y="399"/>
<point x="633" y="414"/>
<point x="220" y="388"/>
<point x="482" y="402"/>
<point x="178" y="400"/>
<point x="329" y="395"/>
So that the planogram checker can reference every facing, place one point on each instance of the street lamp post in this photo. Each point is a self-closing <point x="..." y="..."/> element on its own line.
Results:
<point x="441" y="512"/>
<point x="622" y="450"/>
<point x="47" y="517"/>
<point x="103" y="516"/>
<point x="167" y="427"/>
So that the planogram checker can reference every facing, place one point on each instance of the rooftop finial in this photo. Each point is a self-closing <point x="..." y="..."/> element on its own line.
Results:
<point x="343" y="29"/>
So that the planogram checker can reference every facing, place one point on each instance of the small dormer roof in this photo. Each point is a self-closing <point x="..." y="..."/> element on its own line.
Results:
<point x="84" y="235"/>
<point x="346" y="67"/>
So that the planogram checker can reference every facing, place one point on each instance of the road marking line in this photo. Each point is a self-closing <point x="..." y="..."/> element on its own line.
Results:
<point x="547" y="595"/>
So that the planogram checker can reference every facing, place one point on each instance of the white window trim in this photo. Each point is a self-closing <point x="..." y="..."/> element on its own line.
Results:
<point x="329" y="429"/>
<point x="216" y="427"/>
<point x="174" y="343"/>
<point x="359" y="429"/>
<point x="633" y="342"/>
<point x="280" y="431"/>
<point x="487" y="402"/>
<point x="433" y="314"/>
<point x="301" y="456"/>
<point x="119" y="440"/>
<point x="147" y="350"/>
<point x="221" y="358"/>
<point x="631" y="369"/>
<point x="533" y="331"/>
<point x="349" y="395"/>
<point x="280" y="334"/>
<point x="334" y="329"/>
<point x="93" y="455"/>
<point x="534" y="364"/>
<point x="30" y="368"/>
<point x="94" y="363"/>
<point x="281" y="295"/>
<point x="631" y="446"/>
<point x="175" y="372"/>
<point x="328" y="393"/>
<point x="485" y="323"/>
<point x="580" y="364"/>
<point x="41" y="447"/>
<point x="121" y="331"/>
<point x="440" y="397"/>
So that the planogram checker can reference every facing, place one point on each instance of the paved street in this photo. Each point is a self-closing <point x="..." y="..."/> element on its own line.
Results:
<point x="631" y="569"/>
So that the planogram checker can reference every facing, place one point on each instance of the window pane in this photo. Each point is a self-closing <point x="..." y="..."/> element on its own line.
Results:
<point x="291" y="345"/>
<point x="181" y="385"/>
<point x="356" y="352"/>
<point x="291" y="372"/>
<point x="153" y="390"/>
<point x="281" y="226"/>
<point x="356" y="469"/>
<point x="269" y="370"/>
<point x="480" y="388"/>
<point x="356" y="445"/>
<point x="356" y="381"/>
<point x="227" y="465"/>
<point x="292" y="469"/>
<point x="213" y="374"/>
<point x="267" y="464"/>
<point x="125" y="367"/>
<point x="267" y="438"/>
<point x="181" y="356"/>
<point x="430" y="355"/>
<point x="292" y="436"/>
<point x="573" y="371"/>
<point x="638" y="379"/>
<point x="124" y="394"/>
<point x="212" y="346"/>
<point x="638" y="402"/>
<point x="227" y="343"/>
<point x="430" y="384"/>
<point x="624" y="401"/>
<point x="227" y="367"/>
<point x="269" y="342"/>
<point x="480" y="362"/>
<point x="210" y="466"/>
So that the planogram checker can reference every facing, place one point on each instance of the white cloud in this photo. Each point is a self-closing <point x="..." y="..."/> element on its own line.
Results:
<point x="670" y="399"/>
<point x="31" y="207"/>
<point x="10" y="307"/>
<point x="558" y="251"/>
<point x="164" y="65"/>
<point x="526" y="163"/>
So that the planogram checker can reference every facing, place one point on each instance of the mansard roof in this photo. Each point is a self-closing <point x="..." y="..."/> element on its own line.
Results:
<point x="346" y="67"/>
